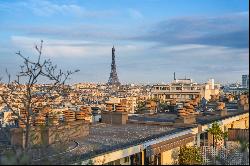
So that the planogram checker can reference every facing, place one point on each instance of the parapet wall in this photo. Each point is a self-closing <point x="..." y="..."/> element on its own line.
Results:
<point x="114" y="117"/>
<point x="189" y="119"/>
<point x="51" y="134"/>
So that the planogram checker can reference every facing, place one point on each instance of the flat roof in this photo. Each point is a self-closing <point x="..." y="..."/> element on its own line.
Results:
<point x="211" y="117"/>
<point x="160" y="117"/>
<point x="106" y="138"/>
<point x="202" y="118"/>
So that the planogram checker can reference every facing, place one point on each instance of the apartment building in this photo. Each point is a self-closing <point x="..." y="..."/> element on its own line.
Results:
<point x="184" y="89"/>
<point x="127" y="104"/>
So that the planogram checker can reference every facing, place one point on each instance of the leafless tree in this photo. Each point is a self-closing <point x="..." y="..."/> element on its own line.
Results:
<point x="22" y="88"/>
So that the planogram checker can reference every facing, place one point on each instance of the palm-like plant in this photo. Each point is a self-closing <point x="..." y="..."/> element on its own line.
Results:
<point x="244" y="149"/>
<point x="244" y="145"/>
<point x="217" y="133"/>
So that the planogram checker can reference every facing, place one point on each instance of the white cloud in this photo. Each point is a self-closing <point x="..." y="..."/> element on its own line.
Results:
<point x="199" y="54"/>
<point x="140" y="61"/>
<point x="74" y="48"/>
<point x="46" y="8"/>
<point x="49" y="8"/>
<point x="135" y="14"/>
<point x="60" y="48"/>
<point x="183" y="47"/>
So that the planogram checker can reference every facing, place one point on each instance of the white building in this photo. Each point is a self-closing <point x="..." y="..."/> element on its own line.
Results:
<point x="183" y="89"/>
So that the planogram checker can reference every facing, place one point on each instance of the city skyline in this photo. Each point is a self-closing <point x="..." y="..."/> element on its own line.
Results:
<point x="153" y="38"/>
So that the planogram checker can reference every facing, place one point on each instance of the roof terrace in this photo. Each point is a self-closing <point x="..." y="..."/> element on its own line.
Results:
<point x="106" y="137"/>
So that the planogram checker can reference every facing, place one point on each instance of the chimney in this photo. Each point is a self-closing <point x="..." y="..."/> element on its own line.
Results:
<point x="114" y="117"/>
<point x="184" y="116"/>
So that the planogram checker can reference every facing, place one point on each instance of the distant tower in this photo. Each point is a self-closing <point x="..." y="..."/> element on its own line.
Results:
<point x="113" y="78"/>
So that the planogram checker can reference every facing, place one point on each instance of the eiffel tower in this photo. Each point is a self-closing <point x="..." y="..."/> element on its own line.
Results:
<point x="113" y="78"/>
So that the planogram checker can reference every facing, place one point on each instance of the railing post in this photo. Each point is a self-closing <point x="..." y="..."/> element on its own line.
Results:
<point x="142" y="157"/>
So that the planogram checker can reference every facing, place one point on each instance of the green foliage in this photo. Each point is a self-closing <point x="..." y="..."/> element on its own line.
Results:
<point x="217" y="133"/>
<point x="190" y="156"/>
<point x="244" y="145"/>
<point x="141" y="107"/>
<point x="155" y="99"/>
<point x="15" y="157"/>
<point x="244" y="149"/>
<point x="90" y="162"/>
<point x="163" y="106"/>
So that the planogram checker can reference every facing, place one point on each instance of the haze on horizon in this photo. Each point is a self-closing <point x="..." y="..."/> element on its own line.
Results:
<point x="153" y="38"/>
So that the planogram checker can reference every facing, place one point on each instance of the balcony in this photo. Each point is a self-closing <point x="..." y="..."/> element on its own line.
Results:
<point x="176" y="91"/>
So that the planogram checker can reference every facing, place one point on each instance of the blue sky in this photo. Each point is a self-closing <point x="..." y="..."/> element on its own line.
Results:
<point x="199" y="39"/>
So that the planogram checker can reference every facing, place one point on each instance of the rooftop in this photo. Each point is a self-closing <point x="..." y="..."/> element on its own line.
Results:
<point x="202" y="118"/>
<point x="106" y="137"/>
<point x="160" y="117"/>
<point x="213" y="116"/>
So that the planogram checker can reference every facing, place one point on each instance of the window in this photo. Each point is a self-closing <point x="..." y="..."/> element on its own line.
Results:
<point x="204" y="139"/>
<point x="126" y="159"/>
<point x="156" y="159"/>
<point x="206" y="135"/>
<point x="117" y="162"/>
<point x="178" y="88"/>
<point x="109" y="163"/>
<point x="135" y="159"/>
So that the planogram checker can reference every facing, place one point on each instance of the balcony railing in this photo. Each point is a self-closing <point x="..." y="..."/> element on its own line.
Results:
<point x="176" y="91"/>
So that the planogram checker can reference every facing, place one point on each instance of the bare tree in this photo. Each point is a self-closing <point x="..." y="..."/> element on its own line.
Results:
<point x="22" y="89"/>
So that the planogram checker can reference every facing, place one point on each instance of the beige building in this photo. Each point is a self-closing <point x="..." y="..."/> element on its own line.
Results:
<point x="84" y="86"/>
<point x="184" y="89"/>
<point x="127" y="104"/>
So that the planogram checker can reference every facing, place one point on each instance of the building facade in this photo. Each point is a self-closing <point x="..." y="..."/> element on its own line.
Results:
<point x="184" y="89"/>
<point x="127" y="104"/>
<point x="245" y="81"/>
